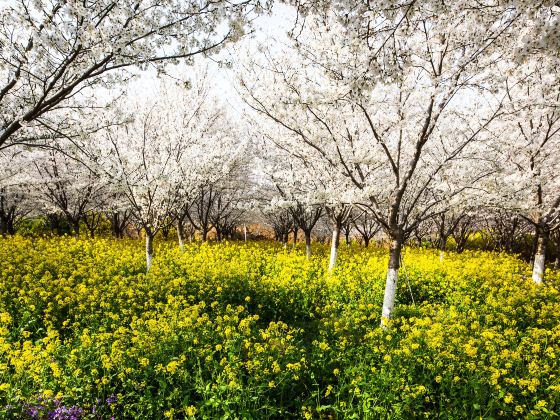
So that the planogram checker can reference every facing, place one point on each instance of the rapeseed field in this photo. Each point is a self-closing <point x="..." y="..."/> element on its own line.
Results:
<point x="253" y="331"/>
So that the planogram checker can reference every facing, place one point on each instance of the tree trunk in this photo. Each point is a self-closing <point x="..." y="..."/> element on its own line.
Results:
<point x="308" y="244"/>
<point x="540" y="257"/>
<point x="115" y="225"/>
<point x="149" y="250"/>
<point x="442" y="246"/>
<point x="534" y="246"/>
<point x="180" y="235"/>
<point x="204" y="234"/>
<point x="165" y="233"/>
<point x="11" y="227"/>
<point x="366" y="241"/>
<point x="3" y="226"/>
<point x="391" y="281"/>
<point x="334" y="247"/>
<point x="295" y="237"/>
<point x="557" y="260"/>
<point x="442" y="240"/>
<point x="461" y="241"/>
<point x="76" y="227"/>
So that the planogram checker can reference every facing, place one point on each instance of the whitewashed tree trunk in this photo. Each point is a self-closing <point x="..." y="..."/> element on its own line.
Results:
<point x="334" y="247"/>
<point x="391" y="281"/>
<point x="308" y="245"/>
<point x="442" y="243"/>
<point x="180" y="236"/>
<point x="540" y="258"/>
<point x="149" y="250"/>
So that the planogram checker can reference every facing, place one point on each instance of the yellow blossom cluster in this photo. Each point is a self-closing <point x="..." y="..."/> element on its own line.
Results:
<point x="251" y="329"/>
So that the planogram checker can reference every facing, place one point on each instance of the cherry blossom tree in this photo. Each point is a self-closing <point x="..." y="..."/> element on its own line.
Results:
<point x="176" y="142"/>
<point x="64" y="186"/>
<point x="280" y="220"/>
<point x="307" y="188"/>
<point x="299" y="188"/>
<point x="55" y="55"/>
<point x="118" y="212"/>
<point x="181" y="214"/>
<point x="15" y="190"/>
<point x="452" y="223"/>
<point x="199" y="213"/>
<point x="366" y="226"/>
<point x="234" y="198"/>
<point x="528" y="150"/>
<point x="397" y="125"/>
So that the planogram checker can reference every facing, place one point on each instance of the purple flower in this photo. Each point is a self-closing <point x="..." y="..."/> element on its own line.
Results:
<point x="66" y="413"/>
<point x="34" y="411"/>
<point x="112" y="399"/>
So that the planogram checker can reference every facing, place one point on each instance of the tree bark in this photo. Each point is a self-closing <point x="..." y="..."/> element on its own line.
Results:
<point x="334" y="247"/>
<point x="308" y="244"/>
<point x="535" y="245"/>
<point x="539" y="261"/>
<point x="165" y="232"/>
<point x="391" y="280"/>
<point x="118" y="224"/>
<point x="11" y="227"/>
<point x="180" y="235"/>
<point x="75" y="227"/>
<point x="204" y="235"/>
<point x="295" y="237"/>
<point x="442" y="240"/>
<point x="461" y="241"/>
<point x="3" y="227"/>
<point x="115" y="225"/>
<point x="557" y="260"/>
<point x="149" y="250"/>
